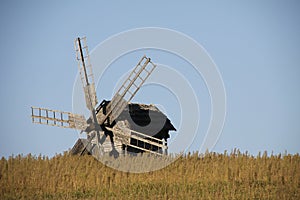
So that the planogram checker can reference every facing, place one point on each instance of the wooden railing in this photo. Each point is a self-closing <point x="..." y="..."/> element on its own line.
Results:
<point x="141" y="138"/>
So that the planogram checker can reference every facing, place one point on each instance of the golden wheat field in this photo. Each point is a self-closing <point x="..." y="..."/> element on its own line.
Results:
<point x="211" y="176"/>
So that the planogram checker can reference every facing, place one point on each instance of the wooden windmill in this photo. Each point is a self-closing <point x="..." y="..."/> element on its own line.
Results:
<point x="107" y="131"/>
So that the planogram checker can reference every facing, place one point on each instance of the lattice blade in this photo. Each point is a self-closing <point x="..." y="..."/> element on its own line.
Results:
<point x="116" y="106"/>
<point x="58" y="118"/>
<point x="86" y="72"/>
<point x="129" y="88"/>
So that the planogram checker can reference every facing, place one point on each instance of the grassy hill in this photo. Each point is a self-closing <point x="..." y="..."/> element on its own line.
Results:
<point x="212" y="176"/>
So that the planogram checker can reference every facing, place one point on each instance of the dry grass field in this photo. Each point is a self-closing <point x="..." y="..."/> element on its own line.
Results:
<point x="212" y="176"/>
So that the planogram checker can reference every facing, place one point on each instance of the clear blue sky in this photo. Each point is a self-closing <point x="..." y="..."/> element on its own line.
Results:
<point x="255" y="45"/>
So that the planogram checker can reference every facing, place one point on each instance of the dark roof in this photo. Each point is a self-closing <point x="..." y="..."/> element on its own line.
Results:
<point x="147" y="119"/>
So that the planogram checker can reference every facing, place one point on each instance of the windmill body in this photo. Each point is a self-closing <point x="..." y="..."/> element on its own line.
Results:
<point x="115" y="126"/>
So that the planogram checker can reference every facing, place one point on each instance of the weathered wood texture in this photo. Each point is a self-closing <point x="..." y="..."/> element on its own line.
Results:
<point x="139" y="128"/>
<point x="146" y="126"/>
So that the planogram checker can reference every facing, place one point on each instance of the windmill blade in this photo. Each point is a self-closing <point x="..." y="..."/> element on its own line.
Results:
<point x="87" y="79"/>
<point x="58" y="118"/>
<point x="128" y="89"/>
<point x="86" y="72"/>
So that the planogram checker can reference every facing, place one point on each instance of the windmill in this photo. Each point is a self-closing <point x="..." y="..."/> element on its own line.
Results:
<point x="103" y="122"/>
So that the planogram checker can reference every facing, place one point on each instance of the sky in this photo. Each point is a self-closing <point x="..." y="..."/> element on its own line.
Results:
<point x="254" y="44"/>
